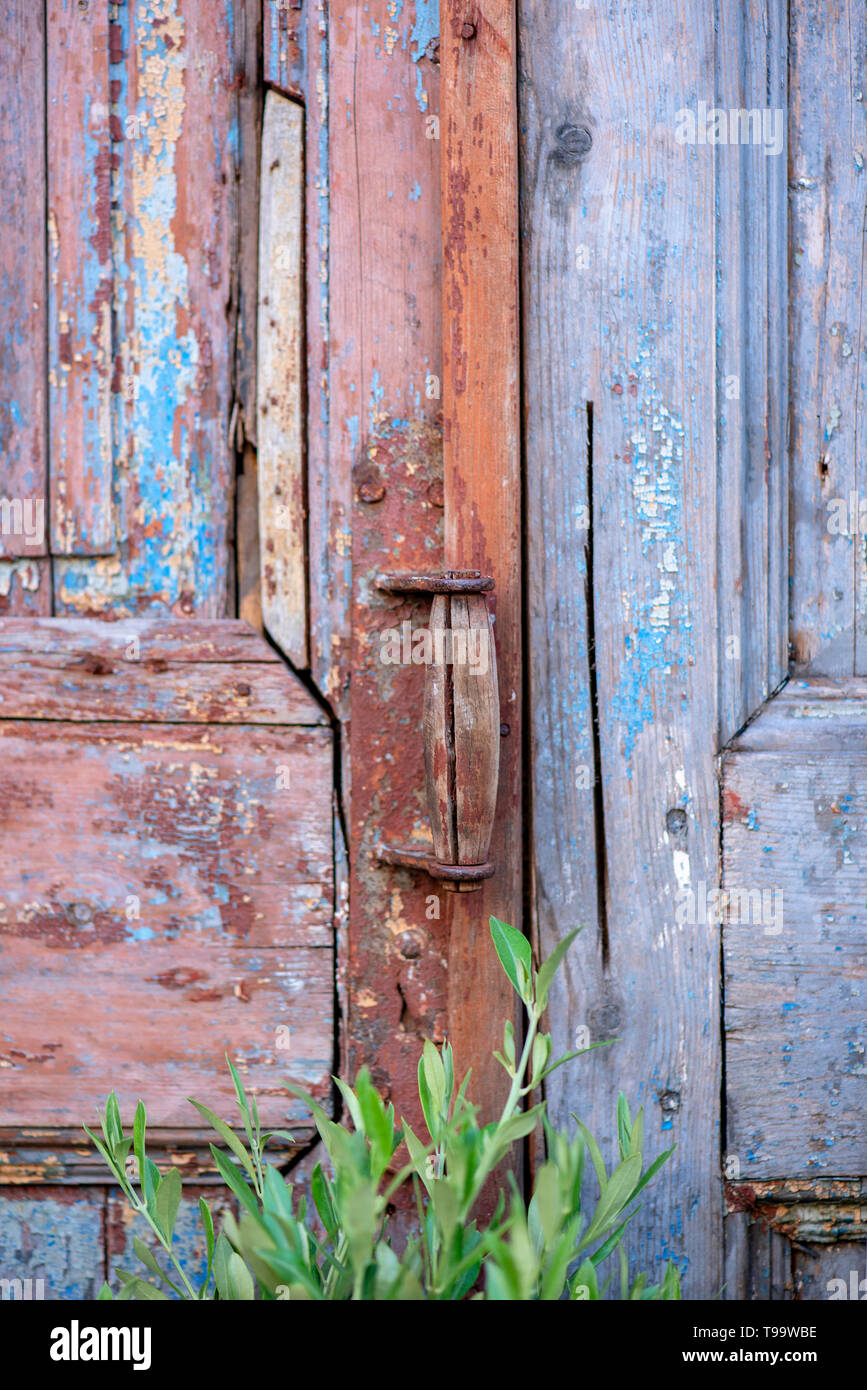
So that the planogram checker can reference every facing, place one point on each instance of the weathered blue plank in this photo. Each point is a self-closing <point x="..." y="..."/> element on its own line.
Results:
<point x="55" y="1236"/>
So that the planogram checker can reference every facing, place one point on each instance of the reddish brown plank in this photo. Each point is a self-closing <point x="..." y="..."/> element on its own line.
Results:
<point x="22" y="282"/>
<point x="482" y="465"/>
<point x="88" y="689"/>
<point x="157" y="1024"/>
<point x="384" y="326"/>
<point x="154" y="639"/>
<point x="80" y="294"/>
<point x="223" y="832"/>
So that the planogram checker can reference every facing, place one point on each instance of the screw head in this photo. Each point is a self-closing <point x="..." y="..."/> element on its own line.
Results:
<point x="371" y="489"/>
<point x="435" y="494"/>
<point x="468" y="30"/>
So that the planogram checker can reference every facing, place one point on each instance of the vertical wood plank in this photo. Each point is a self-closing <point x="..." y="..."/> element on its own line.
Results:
<point x="284" y="44"/>
<point x="618" y="205"/>
<point x="174" y="69"/>
<point x="752" y="365"/>
<point x="79" y="156"/>
<point x="248" y="82"/>
<point x="828" y="140"/>
<point x="22" y="284"/>
<point x="329" y="485"/>
<point x="384" y="433"/>
<point x="482" y="476"/>
<point x="280" y="384"/>
<point x="247" y="541"/>
<point x="556" y="423"/>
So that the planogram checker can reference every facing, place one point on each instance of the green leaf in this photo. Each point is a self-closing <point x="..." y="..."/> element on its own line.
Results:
<point x="208" y="1224"/>
<point x="512" y="946"/>
<point x="377" y="1125"/>
<point x="105" y="1295"/>
<point x="240" y="1280"/>
<point x="229" y="1137"/>
<point x="232" y="1178"/>
<point x="320" y="1189"/>
<point x="111" y="1125"/>
<point x="352" y="1104"/>
<point x="139" y="1127"/>
<point x="617" y="1194"/>
<point x="151" y="1184"/>
<point x="595" y="1154"/>
<point x="548" y="968"/>
<point x="168" y="1201"/>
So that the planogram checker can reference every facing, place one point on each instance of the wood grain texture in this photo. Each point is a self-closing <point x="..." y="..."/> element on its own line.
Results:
<point x="79" y="159"/>
<point x="439" y="740"/>
<point x="90" y="689"/>
<point x="185" y="910"/>
<point x="477" y="735"/>
<point x="384" y="433"/>
<point x="284" y="46"/>
<point x="247" y="48"/>
<point x="794" y="959"/>
<point x="22" y="277"/>
<point x="280" y="429"/>
<point x="752" y="366"/>
<point x="173" y="68"/>
<point x="814" y="715"/>
<point x="481" y="469"/>
<point x="165" y="1021"/>
<point x="619" y="228"/>
<point x="329" y="470"/>
<point x="152" y="639"/>
<point x="828" y="145"/>
<point x="57" y="1236"/>
<point x="247" y="547"/>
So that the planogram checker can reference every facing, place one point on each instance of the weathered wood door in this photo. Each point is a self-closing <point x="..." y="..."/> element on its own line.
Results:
<point x="693" y="215"/>
<point x="166" y="793"/>
<point x="679" y="567"/>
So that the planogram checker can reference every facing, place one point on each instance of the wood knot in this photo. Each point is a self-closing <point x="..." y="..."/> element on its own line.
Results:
<point x="573" y="143"/>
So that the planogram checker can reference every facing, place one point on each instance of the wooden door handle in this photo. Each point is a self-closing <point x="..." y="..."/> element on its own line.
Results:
<point x="461" y="728"/>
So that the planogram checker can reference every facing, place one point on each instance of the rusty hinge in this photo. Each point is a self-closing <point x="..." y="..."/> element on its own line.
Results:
<point x="461" y="728"/>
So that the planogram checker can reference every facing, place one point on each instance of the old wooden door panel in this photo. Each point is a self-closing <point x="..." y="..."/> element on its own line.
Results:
<point x="167" y="891"/>
<point x="794" y="779"/>
<point x="796" y="954"/>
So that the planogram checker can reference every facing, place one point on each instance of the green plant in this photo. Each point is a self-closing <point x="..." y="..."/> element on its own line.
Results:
<point x="547" y="1249"/>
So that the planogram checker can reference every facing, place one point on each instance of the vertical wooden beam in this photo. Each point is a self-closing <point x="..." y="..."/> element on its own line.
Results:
<point x="25" y="583"/>
<point x="384" y="436"/>
<point x="281" y="386"/>
<point x="752" y="366"/>
<point x="828" y="148"/>
<point x="482" y="477"/>
<point x="22" y="282"/>
<point x="80" y="296"/>
<point x="621" y="332"/>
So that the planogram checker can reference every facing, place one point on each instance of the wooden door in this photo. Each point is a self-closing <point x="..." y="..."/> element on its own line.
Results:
<point x="693" y="212"/>
<point x="166" y="795"/>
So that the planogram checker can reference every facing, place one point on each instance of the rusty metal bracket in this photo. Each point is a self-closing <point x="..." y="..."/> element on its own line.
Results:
<point x="446" y="582"/>
<point x="461" y="728"/>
